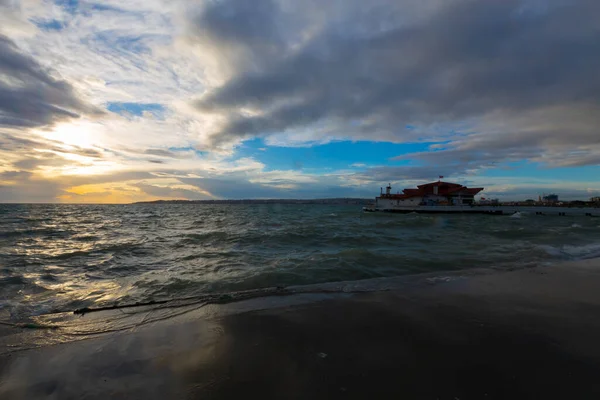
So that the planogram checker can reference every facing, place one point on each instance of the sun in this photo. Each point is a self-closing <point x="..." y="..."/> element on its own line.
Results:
<point x="67" y="142"/>
<point x="79" y="133"/>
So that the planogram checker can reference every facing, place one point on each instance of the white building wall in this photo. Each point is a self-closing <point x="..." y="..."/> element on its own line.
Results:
<point x="391" y="203"/>
<point x="434" y="198"/>
<point x="385" y="203"/>
<point x="413" y="201"/>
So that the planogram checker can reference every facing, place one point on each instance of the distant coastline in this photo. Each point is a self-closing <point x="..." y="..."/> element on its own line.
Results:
<point x="354" y="201"/>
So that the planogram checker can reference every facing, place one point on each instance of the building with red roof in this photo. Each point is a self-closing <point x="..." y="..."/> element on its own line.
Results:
<point x="429" y="194"/>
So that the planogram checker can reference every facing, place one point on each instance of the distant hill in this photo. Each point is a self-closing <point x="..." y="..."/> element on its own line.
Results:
<point x="265" y="201"/>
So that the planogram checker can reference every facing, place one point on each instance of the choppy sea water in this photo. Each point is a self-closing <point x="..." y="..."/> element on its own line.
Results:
<point x="63" y="257"/>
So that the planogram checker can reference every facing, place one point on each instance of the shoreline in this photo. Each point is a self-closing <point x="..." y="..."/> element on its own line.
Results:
<point x="527" y="333"/>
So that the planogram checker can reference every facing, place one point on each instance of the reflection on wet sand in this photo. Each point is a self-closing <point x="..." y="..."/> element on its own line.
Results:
<point x="529" y="333"/>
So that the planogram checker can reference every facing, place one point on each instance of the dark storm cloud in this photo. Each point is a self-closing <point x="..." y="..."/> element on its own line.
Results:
<point x="557" y="137"/>
<point x="253" y="25"/>
<point x="484" y="62"/>
<point x="248" y="33"/>
<point x="30" y="95"/>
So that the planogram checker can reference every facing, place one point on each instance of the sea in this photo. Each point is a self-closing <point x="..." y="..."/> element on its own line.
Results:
<point x="59" y="258"/>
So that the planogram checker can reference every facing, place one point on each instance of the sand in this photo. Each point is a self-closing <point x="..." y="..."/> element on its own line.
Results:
<point x="529" y="333"/>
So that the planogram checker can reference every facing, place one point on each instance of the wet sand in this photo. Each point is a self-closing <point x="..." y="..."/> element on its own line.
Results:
<point x="530" y="333"/>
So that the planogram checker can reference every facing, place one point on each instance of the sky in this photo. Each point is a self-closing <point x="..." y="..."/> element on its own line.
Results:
<point x="122" y="101"/>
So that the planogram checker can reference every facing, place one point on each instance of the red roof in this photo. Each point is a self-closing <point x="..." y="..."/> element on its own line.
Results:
<point x="443" y="189"/>
<point x="439" y="183"/>
<point x="473" y="191"/>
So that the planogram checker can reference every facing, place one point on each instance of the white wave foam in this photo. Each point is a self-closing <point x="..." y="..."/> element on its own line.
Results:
<point x="517" y="215"/>
<point x="575" y="226"/>
<point x="582" y="252"/>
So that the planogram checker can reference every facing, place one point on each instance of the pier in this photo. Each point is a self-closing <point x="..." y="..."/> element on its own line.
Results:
<point x="491" y="210"/>
<point x="452" y="198"/>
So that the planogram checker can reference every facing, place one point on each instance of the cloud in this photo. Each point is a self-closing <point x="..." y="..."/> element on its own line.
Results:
<point x="38" y="153"/>
<point x="486" y="74"/>
<point x="169" y="153"/>
<point x="23" y="187"/>
<point x="405" y="173"/>
<point x="279" y="184"/>
<point x="30" y="95"/>
<point x="173" y="192"/>
<point x="122" y="176"/>
<point x="14" y="175"/>
<point x="235" y="188"/>
<point x="184" y="83"/>
<point x="521" y="192"/>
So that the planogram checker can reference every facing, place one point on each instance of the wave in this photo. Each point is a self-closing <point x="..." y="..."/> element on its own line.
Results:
<point x="100" y="250"/>
<point x="411" y="221"/>
<point x="515" y="233"/>
<point x="196" y="224"/>
<point x="356" y="252"/>
<point x="36" y="232"/>
<point x="13" y="280"/>
<point x="583" y="252"/>
<point x="199" y="238"/>
<point x="173" y="250"/>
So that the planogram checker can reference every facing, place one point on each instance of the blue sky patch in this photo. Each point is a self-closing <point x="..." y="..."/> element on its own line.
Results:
<point x="136" y="109"/>
<point x="128" y="43"/>
<point x="49" y="24"/>
<point x="104" y="7"/>
<point x="330" y="156"/>
<point x="70" y="6"/>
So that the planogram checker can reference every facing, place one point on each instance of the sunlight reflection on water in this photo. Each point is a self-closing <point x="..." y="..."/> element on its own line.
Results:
<point x="61" y="257"/>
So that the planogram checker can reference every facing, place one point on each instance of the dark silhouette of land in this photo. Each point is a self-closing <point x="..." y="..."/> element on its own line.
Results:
<point x="265" y="201"/>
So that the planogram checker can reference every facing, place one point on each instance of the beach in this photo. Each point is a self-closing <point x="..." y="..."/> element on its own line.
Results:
<point x="275" y="199"/>
<point x="526" y="333"/>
